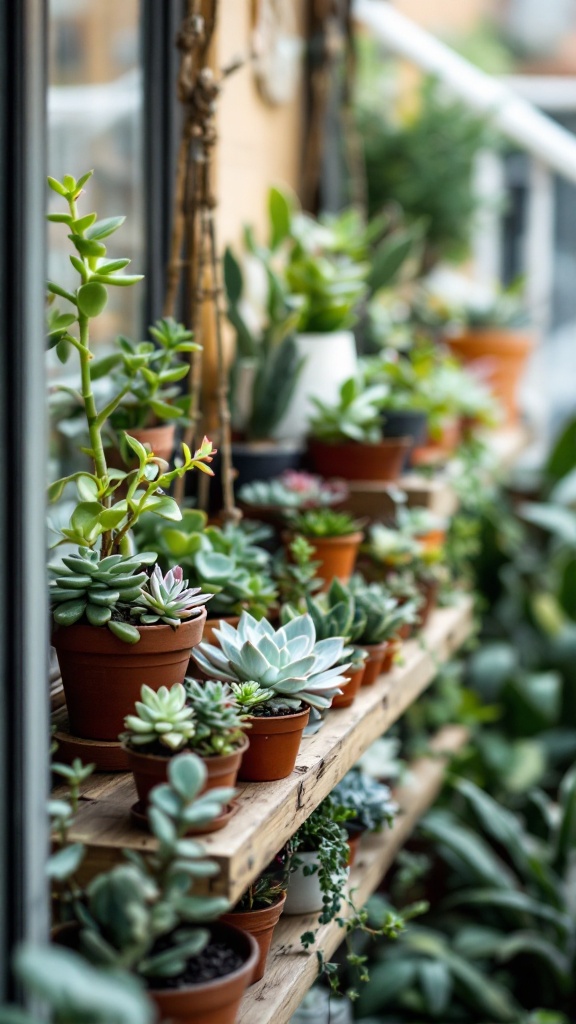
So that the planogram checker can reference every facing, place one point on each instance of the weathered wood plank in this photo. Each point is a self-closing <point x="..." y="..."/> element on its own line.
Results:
<point x="269" y="813"/>
<point x="290" y="970"/>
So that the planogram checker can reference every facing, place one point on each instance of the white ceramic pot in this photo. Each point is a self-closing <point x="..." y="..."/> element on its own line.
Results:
<point x="330" y="360"/>
<point x="304" y="892"/>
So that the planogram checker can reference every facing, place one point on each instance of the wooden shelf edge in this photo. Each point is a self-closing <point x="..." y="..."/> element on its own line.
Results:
<point x="291" y="971"/>
<point x="270" y="813"/>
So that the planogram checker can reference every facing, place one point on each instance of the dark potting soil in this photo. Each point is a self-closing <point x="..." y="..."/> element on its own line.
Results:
<point x="262" y="711"/>
<point x="215" y="961"/>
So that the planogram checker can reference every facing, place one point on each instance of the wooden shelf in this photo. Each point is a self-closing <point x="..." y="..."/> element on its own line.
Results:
<point x="290" y="970"/>
<point x="435" y="492"/>
<point x="269" y="813"/>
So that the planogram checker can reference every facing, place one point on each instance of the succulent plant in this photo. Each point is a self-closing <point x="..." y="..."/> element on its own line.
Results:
<point x="383" y="614"/>
<point x="391" y="546"/>
<point x="324" y="522"/>
<point x="162" y="716"/>
<point x="369" y="801"/>
<point x="138" y="915"/>
<point x="168" y="599"/>
<point x="250" y="695"/>
<point x="86" y="586"/>
<point x="333" y="613"/>
<point x="294" y="490"/>
<point x="288" y="661"/>
<point x="355" y="417"/>
<point x="219" y="718"/>
<point x="264" y="892"/>
<point x="296" y="576"/>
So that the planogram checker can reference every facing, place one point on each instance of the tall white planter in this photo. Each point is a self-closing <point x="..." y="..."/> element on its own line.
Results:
<point x="304" y="893"/>
<point x="330" y="360"/>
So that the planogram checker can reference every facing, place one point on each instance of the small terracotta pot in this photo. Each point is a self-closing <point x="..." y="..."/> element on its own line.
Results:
<point x="502" y="353"/>
<point x="150" y="770"/>
<point x="337" y="555"/>
<point x="432" y="540"/>
<point x="354" y="836"/>
<point x="348" y="696"/>
<point x="260" y="924"/>
<point x="429" y="591"/>
<point x="274" y="746"/>
<point x="437" y="451"/>
<point x="102" y="676"/>
<point x="354" y="461"/>
<point x="392" y="648"/>
<point x="373" y="667"/>
<point x="217" y="1001"/>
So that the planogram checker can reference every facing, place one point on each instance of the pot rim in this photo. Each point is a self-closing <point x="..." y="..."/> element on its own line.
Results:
<point x="261" y="910"/>
<point x="387" y="442"/>
<point x="145" y="631"/>
<point x="250" y="962"/>
<point x="348" y="538"/>
<point x="278" y="718"/>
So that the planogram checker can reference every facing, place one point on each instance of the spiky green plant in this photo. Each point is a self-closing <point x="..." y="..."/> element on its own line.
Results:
<point x="383" y="615"/>
<point x="219" y="719"/>
<point x="324" y="522"/>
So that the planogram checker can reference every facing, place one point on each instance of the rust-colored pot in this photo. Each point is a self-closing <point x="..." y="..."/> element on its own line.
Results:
<point x="274" y="746"/>
<point x="502" y="353"/>
<point x="260" y="924"/>
<point x="429" y="591"/>
<point x="102" y="676"/>
<point x="337" y="555"/>
<point x="437" y="450"/>
<point x="217" y="1001"/>
<point x="354" y="461"/>
<point x="392" y="648"/>
<point x="432" y="540"/>
<point x="160" y="439"/>
<point x="150" y="770"/>
<point x="348" y="696"/>
<point x="373" y="666"/>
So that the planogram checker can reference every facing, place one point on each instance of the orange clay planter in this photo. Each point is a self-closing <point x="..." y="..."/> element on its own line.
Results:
<point x="438" y="450"/>
<point x="348" y="696"/>
<point x="337" y="555"/>
<point x="274" y="746"/>
<point x="216" y="1001"/>
<point x="373" y="666"/>
<point x="503" y="353"/>
<point x="354" y="461"/>
<point x="260" y="924"/>
<point x="102" y="676"/>
<point x="429" y="590"/>
<point x="392" y="649"/>
<point x="150" y="770"/>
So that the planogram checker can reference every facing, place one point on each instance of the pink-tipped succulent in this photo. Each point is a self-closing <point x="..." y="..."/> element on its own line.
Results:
<point x="168" y="599"/>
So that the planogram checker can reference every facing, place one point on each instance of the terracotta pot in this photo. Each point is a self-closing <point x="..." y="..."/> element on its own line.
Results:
<point x="437" y="451"/>
<point x="217" y="1001"/>
<point x="337" y="555"/>
<point x="373" y="667"/>
<point x="353" y="844"/>
<point x="274" y="745"/>
<point x="502" y="353"/>
<point x="260" y="924"/>
<point x="353" y="461"/>
<point x="102" y="676"/>
<point x="392" y="648"/>
<point x="429" y="591"/>
<point x="345" y="699"/>
<point x="432" y="540"/>
<point x="150" y="770"/>
<point x="160" y="439"/>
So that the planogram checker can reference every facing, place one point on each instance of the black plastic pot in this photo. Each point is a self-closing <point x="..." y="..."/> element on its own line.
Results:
<point x="264" y="460"/>
<point x="405" y="423"/>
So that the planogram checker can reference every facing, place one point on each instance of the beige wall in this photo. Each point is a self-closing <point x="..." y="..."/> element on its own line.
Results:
<point x="259" y="144"/>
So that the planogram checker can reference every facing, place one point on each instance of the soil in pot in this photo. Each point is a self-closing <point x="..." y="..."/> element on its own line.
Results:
<point x="349" y="692"/>
<point x="354" y="461"/>
<point x="260" y="924"/>
<point x="274" y="744"/>
<point x="102" y="676"/>
<point x="214" y="982"/>
<point x="151" y="768"/>
<point x="502" y="353"/>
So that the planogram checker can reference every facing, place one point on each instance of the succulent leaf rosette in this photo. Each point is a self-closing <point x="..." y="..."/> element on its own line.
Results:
<point x="168" y="599"/>
<point x="289" y="661"/>
<point x="163" y="717"/>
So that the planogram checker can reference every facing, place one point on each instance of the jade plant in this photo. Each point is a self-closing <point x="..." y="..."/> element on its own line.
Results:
<point x="111" y="591"/>
<point x="100" y="520"/>
<point x="355" y="417"/>
<point x="324" y="522"/>
<point x="289" y="665"/>
<point x="202" y="717"/>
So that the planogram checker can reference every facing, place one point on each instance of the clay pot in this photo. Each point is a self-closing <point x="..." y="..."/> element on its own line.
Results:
<point x="502" y="353"/>
<point x="337" y="555"/>
<point x="373" y="666"/>
<point x="102" y="676"/>
<point x="345" y="699"/>
<point x="274" y="745"/>
<point x="429" y="591"/>
<point x="260" y="924"/>
<point x="217" y="1001"/>
<point x="437" y="451"/>
<point x="150" y="770"/>
<point x="432" y="540"/>
<point x="353" y="461"/>
<point x="392" y="647"/>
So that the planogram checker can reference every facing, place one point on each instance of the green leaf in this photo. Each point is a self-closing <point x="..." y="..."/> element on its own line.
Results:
<point x="65" y="862"/>
<point x="113" y="266"/>
<point x="163" y="505"/>
<point x="92" y="298"/>
<point x="104" y="228"/>
<point x="87" y="247"/>
<point x="436" y="983"/>
<point x="55" y="289"/>
<point x="562" y="458"/>
<point x="232" y="277"/>
<point x="60" y="218"/>
<point x="164" y="411"/>
<point x="124" y="631"/>
<point x="187" y="775"/>
<point x="83" y="223"/>
<point x="121" y="280"/>
<point x="79" y="266"/>
<point x="111" y="517"/>
<point x="280" y="214"/>
<point x="57" y="186"/>
<point x="69" y="613"/>
<point x="85" y="515"/>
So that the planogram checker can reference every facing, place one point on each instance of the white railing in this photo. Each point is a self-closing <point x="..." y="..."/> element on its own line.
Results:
<point x="551" y="147"/>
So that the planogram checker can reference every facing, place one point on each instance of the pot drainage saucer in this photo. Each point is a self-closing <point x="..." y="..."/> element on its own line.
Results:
<point x="139" y="817"/>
